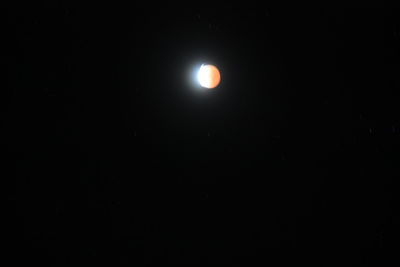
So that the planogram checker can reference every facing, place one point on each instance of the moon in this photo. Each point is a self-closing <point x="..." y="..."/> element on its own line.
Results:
<point x="208" y="76"/>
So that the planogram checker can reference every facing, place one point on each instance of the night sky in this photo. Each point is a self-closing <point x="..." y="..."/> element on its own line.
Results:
<point x="113" y="155"/>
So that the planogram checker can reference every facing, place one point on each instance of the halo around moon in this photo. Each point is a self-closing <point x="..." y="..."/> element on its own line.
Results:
<point x="208" y="76"/>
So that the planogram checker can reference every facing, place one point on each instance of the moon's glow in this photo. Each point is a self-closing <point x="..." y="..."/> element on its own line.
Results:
<point x="208" y="76"/>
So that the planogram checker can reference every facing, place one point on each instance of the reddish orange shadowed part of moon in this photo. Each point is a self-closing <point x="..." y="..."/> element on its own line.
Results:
<point x="209" y="76"/>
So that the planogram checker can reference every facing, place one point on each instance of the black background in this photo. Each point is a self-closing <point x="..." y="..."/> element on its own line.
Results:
<point x="116" y="158"/>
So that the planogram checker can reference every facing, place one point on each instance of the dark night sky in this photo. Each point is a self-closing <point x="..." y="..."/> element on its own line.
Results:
<point x="114" y="157"/>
